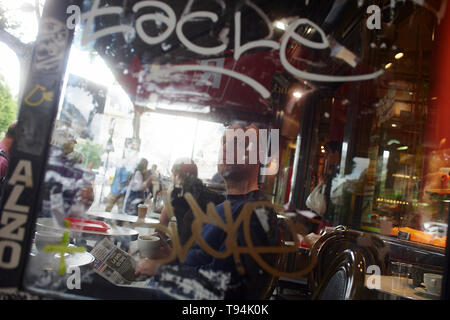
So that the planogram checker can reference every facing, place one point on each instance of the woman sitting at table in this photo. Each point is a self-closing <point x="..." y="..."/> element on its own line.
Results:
<point x="185" y="180"/>
<point x="136" y="188"/>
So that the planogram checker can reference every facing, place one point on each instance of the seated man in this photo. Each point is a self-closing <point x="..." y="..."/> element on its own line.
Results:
<point x="248" y="279"/>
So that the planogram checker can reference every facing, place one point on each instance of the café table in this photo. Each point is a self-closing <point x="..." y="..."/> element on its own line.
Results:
<point x="403" y="289"/>
<point x="121" y="217"/>
<point x="141" y="226"/>
<point x="43" y="275"/>
<point x="51" y="260"/>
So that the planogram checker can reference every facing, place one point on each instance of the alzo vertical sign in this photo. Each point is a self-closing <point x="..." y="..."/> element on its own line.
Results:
<point x="20" y="200"/>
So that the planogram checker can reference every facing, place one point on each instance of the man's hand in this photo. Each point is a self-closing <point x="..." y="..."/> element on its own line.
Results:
<point x="165" y="250"/>
<point x="146" y="267"/>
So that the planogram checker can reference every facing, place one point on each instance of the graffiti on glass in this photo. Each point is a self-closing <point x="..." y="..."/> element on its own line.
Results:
<point x="169" y="19"/>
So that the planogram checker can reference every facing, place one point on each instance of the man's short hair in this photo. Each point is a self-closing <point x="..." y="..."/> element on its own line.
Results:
<point x="11" y="133"/>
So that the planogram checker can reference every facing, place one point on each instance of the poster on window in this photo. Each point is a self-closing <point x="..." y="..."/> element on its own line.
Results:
<point x="133" y="144"/>
<point x="84" y="102"/>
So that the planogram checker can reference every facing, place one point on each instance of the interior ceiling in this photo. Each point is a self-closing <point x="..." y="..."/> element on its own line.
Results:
<point x="188" y="91"/>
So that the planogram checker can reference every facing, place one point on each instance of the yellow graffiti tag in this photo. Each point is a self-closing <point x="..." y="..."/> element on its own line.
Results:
<point x="62" y="249"/>
<point x="41" y="92"/>
<point x="230" y="227"/>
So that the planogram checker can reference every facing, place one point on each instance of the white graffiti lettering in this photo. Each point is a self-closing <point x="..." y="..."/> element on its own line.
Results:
<point x="169" y="19"/>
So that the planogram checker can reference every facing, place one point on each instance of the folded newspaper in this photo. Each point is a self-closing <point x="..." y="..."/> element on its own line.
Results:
<point x="114" y="264"/>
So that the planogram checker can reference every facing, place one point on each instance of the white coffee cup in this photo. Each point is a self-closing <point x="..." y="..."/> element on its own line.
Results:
<point x="433" y="282"/>
<point x="43" y="238"/>
<point x="148" y="245"/>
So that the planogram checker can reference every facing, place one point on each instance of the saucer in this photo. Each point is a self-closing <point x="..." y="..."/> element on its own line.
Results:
<point x="424" y="291"/>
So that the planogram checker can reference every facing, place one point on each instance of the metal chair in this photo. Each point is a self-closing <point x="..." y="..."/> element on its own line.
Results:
<point x="342" y="258"/>
<point x="288" y="288"/>
<point x="345" y="278"/>
<point x="332" y="244"/>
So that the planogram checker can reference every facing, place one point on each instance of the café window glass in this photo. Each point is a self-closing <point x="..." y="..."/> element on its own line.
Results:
<point x="349" y="97"/>
<point x="380" y="147"/>
<point x="390" y="174"/>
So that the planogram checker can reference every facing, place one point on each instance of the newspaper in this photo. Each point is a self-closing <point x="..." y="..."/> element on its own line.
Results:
<point x="115" y="265"/>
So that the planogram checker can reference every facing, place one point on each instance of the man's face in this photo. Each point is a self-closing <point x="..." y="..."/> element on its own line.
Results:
<point x="238" y="156"/>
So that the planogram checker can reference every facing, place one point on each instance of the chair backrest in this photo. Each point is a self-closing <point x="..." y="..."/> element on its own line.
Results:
<point x="279" y="259"/>
<point x="260" y="284"/>
<point x="331" y="245"/>
<point x="345" y="278"/>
